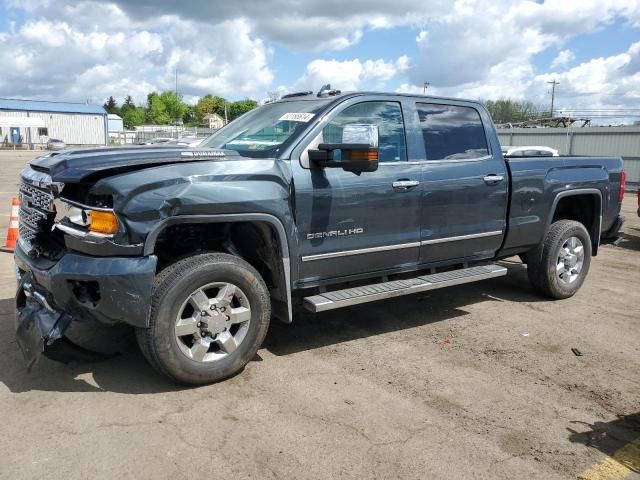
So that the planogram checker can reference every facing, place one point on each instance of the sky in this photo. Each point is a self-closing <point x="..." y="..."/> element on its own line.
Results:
<point x="478" y="49"/>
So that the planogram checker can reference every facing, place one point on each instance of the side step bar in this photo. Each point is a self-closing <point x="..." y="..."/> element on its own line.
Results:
<point x="396" y="288"/>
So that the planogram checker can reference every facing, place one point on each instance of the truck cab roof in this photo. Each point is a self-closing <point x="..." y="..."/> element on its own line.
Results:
<point x="339" y="95"/>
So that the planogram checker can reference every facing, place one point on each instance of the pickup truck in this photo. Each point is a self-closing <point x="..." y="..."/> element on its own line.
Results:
<point x="316" y="201"/>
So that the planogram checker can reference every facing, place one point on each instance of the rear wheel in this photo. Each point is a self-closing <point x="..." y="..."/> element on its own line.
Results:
<point x="209" y="315"/>
<point x="558" y="267"/>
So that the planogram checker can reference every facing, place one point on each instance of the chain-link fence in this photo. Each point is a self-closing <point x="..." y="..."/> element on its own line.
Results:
<point x="151" y="134"/>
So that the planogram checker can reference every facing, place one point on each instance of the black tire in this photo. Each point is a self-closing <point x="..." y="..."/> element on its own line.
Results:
<point x="172" y="287"/>
<point x="542" y="261"/>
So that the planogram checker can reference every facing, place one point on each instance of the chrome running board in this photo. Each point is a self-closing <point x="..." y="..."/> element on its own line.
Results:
<point x="396" y="288"/>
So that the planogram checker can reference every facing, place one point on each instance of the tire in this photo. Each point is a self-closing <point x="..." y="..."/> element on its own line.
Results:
<point x="545" y="263"/>
<point x="238" y="302"/>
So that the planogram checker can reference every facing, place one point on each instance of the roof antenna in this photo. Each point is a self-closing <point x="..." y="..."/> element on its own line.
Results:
<point x="326" y="91"/>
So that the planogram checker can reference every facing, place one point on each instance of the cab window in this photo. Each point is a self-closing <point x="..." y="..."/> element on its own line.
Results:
<point x="452" y="132"/>
<point x="387" y="116"/>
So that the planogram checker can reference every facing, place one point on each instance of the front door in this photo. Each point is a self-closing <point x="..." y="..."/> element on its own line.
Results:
<point x="15" y="135"/>
<point x="465" y="192"/>
<point x="350" y="224"/>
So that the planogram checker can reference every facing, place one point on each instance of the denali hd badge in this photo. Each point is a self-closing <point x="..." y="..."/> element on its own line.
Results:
<point x="336" y="233"/>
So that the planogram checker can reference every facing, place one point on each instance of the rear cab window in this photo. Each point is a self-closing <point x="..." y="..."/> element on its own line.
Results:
<point x="452" y="132"/>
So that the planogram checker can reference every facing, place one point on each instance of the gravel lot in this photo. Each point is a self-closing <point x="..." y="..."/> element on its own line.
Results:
<point x="476" y="381"/>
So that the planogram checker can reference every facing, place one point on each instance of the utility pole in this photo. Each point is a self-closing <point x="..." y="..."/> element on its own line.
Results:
<point x="553" y="94"/>
<point x="424" y="88"/>
<point x="175" y="119"/>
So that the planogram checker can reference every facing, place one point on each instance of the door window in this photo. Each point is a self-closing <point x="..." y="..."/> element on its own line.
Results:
<point x="451" y="132"/>
<point x="387" y="116"/>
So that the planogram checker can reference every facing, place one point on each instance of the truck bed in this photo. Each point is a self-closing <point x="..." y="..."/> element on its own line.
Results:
<point x="537" y="183"/>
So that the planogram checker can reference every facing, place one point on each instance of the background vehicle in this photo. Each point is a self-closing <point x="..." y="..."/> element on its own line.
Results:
<point x="54" y="144"/>
<point x="530" y="151"/>
<point x="300" y="198"/>
<point x="186" y="141"/>
<point x="156" y="141"/>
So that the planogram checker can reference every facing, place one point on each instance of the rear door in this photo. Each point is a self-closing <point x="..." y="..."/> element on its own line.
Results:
<point x="465" y="184"/>
<point x="352" y="224"/>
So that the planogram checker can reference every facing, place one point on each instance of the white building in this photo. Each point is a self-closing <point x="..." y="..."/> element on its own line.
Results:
<point x="115" y="123"/>
<point x="213" y="121"/>
<point x="32" y="123"/>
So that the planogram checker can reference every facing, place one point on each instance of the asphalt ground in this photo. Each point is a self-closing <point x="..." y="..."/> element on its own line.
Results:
<point x="477" y="381"/>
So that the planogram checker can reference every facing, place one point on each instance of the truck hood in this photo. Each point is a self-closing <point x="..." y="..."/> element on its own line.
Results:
<point x="70" y="166"/>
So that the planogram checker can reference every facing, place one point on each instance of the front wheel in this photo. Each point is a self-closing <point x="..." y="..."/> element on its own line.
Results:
<point x="558" y="267"/>
<point x="209" y="315"/>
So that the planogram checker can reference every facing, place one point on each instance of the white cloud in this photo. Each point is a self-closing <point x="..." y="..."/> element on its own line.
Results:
<point x="350" y="74"/>
<point x="80" y="49"/>
<point x="605" y="81"/>
<point x="474" y="37"/>
<point x="563" y="58"/>
<point x="56" y="60"/>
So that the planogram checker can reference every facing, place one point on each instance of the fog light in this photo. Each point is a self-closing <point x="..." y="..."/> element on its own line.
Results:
<point x="103" y="222"/>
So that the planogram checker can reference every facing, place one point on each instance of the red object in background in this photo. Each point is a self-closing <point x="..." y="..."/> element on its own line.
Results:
<point x="623" y="185"/>
<point x="12" y="231"/>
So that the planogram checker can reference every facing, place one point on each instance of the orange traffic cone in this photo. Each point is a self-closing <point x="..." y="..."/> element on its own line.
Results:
<point x="12" y="231"/>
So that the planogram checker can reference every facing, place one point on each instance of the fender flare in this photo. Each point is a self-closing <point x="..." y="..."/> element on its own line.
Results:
<point x="152" y="237"/>
<point x="597" y="230"/>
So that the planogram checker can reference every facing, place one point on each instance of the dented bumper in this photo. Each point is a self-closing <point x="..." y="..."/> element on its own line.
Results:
<point x="38" y="325"/>
<point x="78" y="288"/>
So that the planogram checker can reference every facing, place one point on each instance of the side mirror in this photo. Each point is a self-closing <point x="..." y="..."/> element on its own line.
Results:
<point x="358" y="151"/>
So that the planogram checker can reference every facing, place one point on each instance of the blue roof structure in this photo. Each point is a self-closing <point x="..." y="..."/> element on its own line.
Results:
<point x="57" y="107"/>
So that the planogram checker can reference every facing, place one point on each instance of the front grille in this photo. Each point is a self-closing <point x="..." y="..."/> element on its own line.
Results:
<point x="36" y="214"/>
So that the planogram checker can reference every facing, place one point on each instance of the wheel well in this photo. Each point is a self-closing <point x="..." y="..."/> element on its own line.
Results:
<point x="581" y="208"/>
<point x="255" y="242"/>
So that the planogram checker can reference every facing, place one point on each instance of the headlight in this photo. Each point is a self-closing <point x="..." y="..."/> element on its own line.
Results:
<point x="90" y="220"/>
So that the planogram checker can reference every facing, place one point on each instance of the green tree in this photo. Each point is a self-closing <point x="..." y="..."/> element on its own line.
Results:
<point x="111" y="106"/>
<point x="209" y="104"/>
<point x="133" y="116"/>
<point x="174" y="106"/>
<point x="190" y="119"/>
<point x="511" y="111"/>
<point x="156" y="113"/>
<point x="240" y="107"/>
<point x="127" y="106"/>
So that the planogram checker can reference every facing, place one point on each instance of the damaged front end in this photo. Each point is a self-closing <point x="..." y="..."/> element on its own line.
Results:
<point x="40" y="328"/>
<point x="70" y="271"/>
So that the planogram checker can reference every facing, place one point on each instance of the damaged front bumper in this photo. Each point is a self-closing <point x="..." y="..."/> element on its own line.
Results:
<point x="51" y="295"/>
<point x="38" y="324"/>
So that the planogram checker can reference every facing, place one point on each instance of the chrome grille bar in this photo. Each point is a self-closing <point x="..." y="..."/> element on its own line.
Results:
<point x="36" y="205"/>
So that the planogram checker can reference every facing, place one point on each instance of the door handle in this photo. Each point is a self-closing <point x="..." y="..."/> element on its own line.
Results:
<point x="403" y="185"/>
<point x="493" y="179"/>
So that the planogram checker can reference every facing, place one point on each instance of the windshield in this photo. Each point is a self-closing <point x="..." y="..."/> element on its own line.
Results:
<point x="263" y="131"/>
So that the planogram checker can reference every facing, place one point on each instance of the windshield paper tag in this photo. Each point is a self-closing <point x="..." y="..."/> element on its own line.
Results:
<point x="297" y="117"/>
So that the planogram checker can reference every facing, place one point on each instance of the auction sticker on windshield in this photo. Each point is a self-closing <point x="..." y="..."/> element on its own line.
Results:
<point x="297" y="117"/>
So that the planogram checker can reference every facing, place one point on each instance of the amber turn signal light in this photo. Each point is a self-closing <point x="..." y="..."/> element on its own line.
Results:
<point x="364" y="155"/>
<point x="103" y="222"/>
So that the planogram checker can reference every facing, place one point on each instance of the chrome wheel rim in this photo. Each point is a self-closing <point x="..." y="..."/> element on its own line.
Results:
<point x="212" y="322"/>
<point x="570" y="260"/>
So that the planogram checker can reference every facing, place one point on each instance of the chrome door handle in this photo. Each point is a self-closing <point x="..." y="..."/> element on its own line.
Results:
<point x="493" y="179"/>
<point x="405" y="184"/>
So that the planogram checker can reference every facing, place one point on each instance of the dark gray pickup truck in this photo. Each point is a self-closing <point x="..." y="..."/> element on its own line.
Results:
<point x="321" y="200"/>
